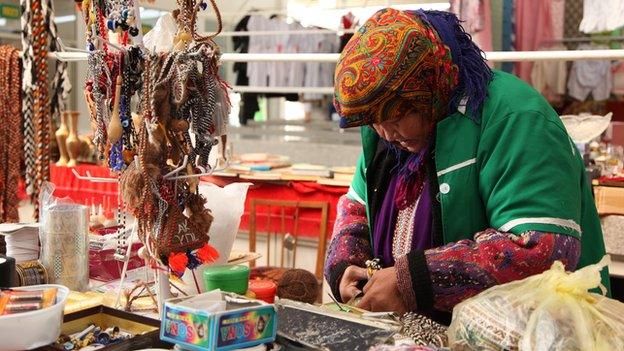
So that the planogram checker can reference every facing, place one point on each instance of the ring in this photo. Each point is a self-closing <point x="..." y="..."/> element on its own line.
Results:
<point x="370" y="271"/>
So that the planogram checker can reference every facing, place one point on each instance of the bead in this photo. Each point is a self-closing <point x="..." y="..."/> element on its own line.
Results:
<point x="103" y="338"/>
<point x="203" y="6"/>
<point x="128" y="156"/>
<point x="68" y="346"/>
<point x="124" y="13"/>
<point x="124" y="26"/>
<point x="110" y="24"/>
<point x="134" y="31"/>
<point x="125" y="123"/>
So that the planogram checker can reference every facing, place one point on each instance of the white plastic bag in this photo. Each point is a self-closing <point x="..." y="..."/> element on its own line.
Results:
<point x="227" y="205"/>
<point x="552" y="311"/>
<point x="160" y="38"/>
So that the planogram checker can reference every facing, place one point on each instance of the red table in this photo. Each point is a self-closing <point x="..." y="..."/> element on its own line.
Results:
<point x="86" y="192"/>
<point x="309" y="219"/>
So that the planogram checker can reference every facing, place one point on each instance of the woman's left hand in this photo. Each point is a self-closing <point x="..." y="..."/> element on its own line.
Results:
<point x="381" y="293"/>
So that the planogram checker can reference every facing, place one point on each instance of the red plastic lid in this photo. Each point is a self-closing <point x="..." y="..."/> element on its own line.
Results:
<point x="264" y="289"/>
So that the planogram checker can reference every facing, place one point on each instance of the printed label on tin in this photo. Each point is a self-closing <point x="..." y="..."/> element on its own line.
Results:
<point x="245" y="326"/>
<point x="186" y="327"/>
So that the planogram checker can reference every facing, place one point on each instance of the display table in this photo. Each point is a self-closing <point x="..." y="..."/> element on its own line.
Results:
<point x="309" y="220"/>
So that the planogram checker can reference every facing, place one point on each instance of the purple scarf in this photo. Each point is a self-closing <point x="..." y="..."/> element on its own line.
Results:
<point x="385" y="221"/>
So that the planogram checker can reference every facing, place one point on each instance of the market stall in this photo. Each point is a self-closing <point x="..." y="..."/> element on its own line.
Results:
<point x="489" y="240"/>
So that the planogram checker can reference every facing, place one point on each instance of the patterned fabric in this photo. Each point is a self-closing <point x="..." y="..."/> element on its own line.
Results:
<point x="350" y="244"/>
<point x="572" y="19"/>
<point x="463" y="269"/>
<point x="396" y="63"/>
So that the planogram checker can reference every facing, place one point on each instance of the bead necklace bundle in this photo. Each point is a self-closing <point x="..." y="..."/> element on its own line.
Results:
<point x="183" y="108"/>
<point x="39" y="35"/>
<point x="10" y="133"/>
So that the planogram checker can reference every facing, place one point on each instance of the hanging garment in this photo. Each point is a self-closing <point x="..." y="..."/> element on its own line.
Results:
<point x="249" y="101"/>
<point x="550" y="77"/>
<point x="470" y="12"/>
<point x="509" y="32"/>
<point x="572" y="19"/>
<point x="557" y="12"/>
<point x="618" y="79"/>
<point x="477" y="20"/>
<point x="533" y="29"/>
<point x="590" y="76"/>
<point x="497" y="24"/>
<point x="602" y="15"/>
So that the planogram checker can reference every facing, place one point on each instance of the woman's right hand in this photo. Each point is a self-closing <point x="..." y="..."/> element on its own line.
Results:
<point x="350" y="280"/>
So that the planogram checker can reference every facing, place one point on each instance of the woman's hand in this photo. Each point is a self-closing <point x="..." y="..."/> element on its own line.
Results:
<point x="350" y="279"/>
<point x="381" y="293"/>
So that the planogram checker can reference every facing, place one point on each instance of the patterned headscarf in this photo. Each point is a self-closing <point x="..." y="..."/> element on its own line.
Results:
<point x="395" y="64"/>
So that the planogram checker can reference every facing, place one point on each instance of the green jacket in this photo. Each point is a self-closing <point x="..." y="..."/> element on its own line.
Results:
<point x="515" y="170"/>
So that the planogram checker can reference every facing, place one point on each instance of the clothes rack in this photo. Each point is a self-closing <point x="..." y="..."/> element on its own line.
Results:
<point x="286" y="32"/>
<point x="493" y="56"/>
<point x="587" y="39"/>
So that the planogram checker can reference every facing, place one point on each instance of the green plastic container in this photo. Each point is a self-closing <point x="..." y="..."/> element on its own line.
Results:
<point x="227" y="278"/>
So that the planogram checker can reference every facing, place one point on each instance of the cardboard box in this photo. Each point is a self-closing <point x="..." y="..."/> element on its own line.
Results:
<point x="244" y="323"/>
<point x="609" y="200"/>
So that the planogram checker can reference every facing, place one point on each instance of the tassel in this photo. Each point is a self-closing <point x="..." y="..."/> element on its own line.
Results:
<point x="178" y="262"/>
<point x="207" y="254"/>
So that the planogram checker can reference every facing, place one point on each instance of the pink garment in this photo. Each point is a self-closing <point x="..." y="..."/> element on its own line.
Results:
<point x="533" y="27"/>
<point x="557" y="12"/>
<point x="483" y="38"/>
<point x="477" y="20"/>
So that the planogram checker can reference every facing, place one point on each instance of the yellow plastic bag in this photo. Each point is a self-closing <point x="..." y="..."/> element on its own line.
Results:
<point x="552" y="311"/>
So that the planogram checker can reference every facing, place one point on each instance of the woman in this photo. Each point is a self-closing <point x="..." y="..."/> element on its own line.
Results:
<point x="467" y="180"/>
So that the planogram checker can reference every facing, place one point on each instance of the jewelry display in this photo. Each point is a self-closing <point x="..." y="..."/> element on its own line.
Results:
<point x="10" y="133"/>
<point x="182" y="108"/>
<point x="39" y="36"/>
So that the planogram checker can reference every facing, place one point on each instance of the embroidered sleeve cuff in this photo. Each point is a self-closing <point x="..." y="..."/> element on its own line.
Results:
<point x="420" y="279"/>
<point x="404" y="283"/>
<point x="334" y="277"/>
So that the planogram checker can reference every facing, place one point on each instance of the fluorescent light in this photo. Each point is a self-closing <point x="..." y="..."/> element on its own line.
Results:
<point x="3" y="21"/>
<point x="65" y="19"/>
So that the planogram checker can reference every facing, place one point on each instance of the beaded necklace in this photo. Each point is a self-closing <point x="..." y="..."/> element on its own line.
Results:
<point x="39" y="35"/>
<point x="11" y="133"/>
<point x="41" y="98"/>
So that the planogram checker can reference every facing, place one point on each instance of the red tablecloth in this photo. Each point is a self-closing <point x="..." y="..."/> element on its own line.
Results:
<point x="86" y="192"/>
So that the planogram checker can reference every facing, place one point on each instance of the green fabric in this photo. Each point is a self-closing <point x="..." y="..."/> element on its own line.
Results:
<point x="517" y="170"/>
<point x="497" y="24"/>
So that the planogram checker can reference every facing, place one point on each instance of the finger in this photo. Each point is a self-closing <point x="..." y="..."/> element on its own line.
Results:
<point x="348" y="291"/>
<point x="352" y="291"/>
<point x="369" y="284"/>
<point x="365" y="303"/>
<point x="355" y="273"/>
